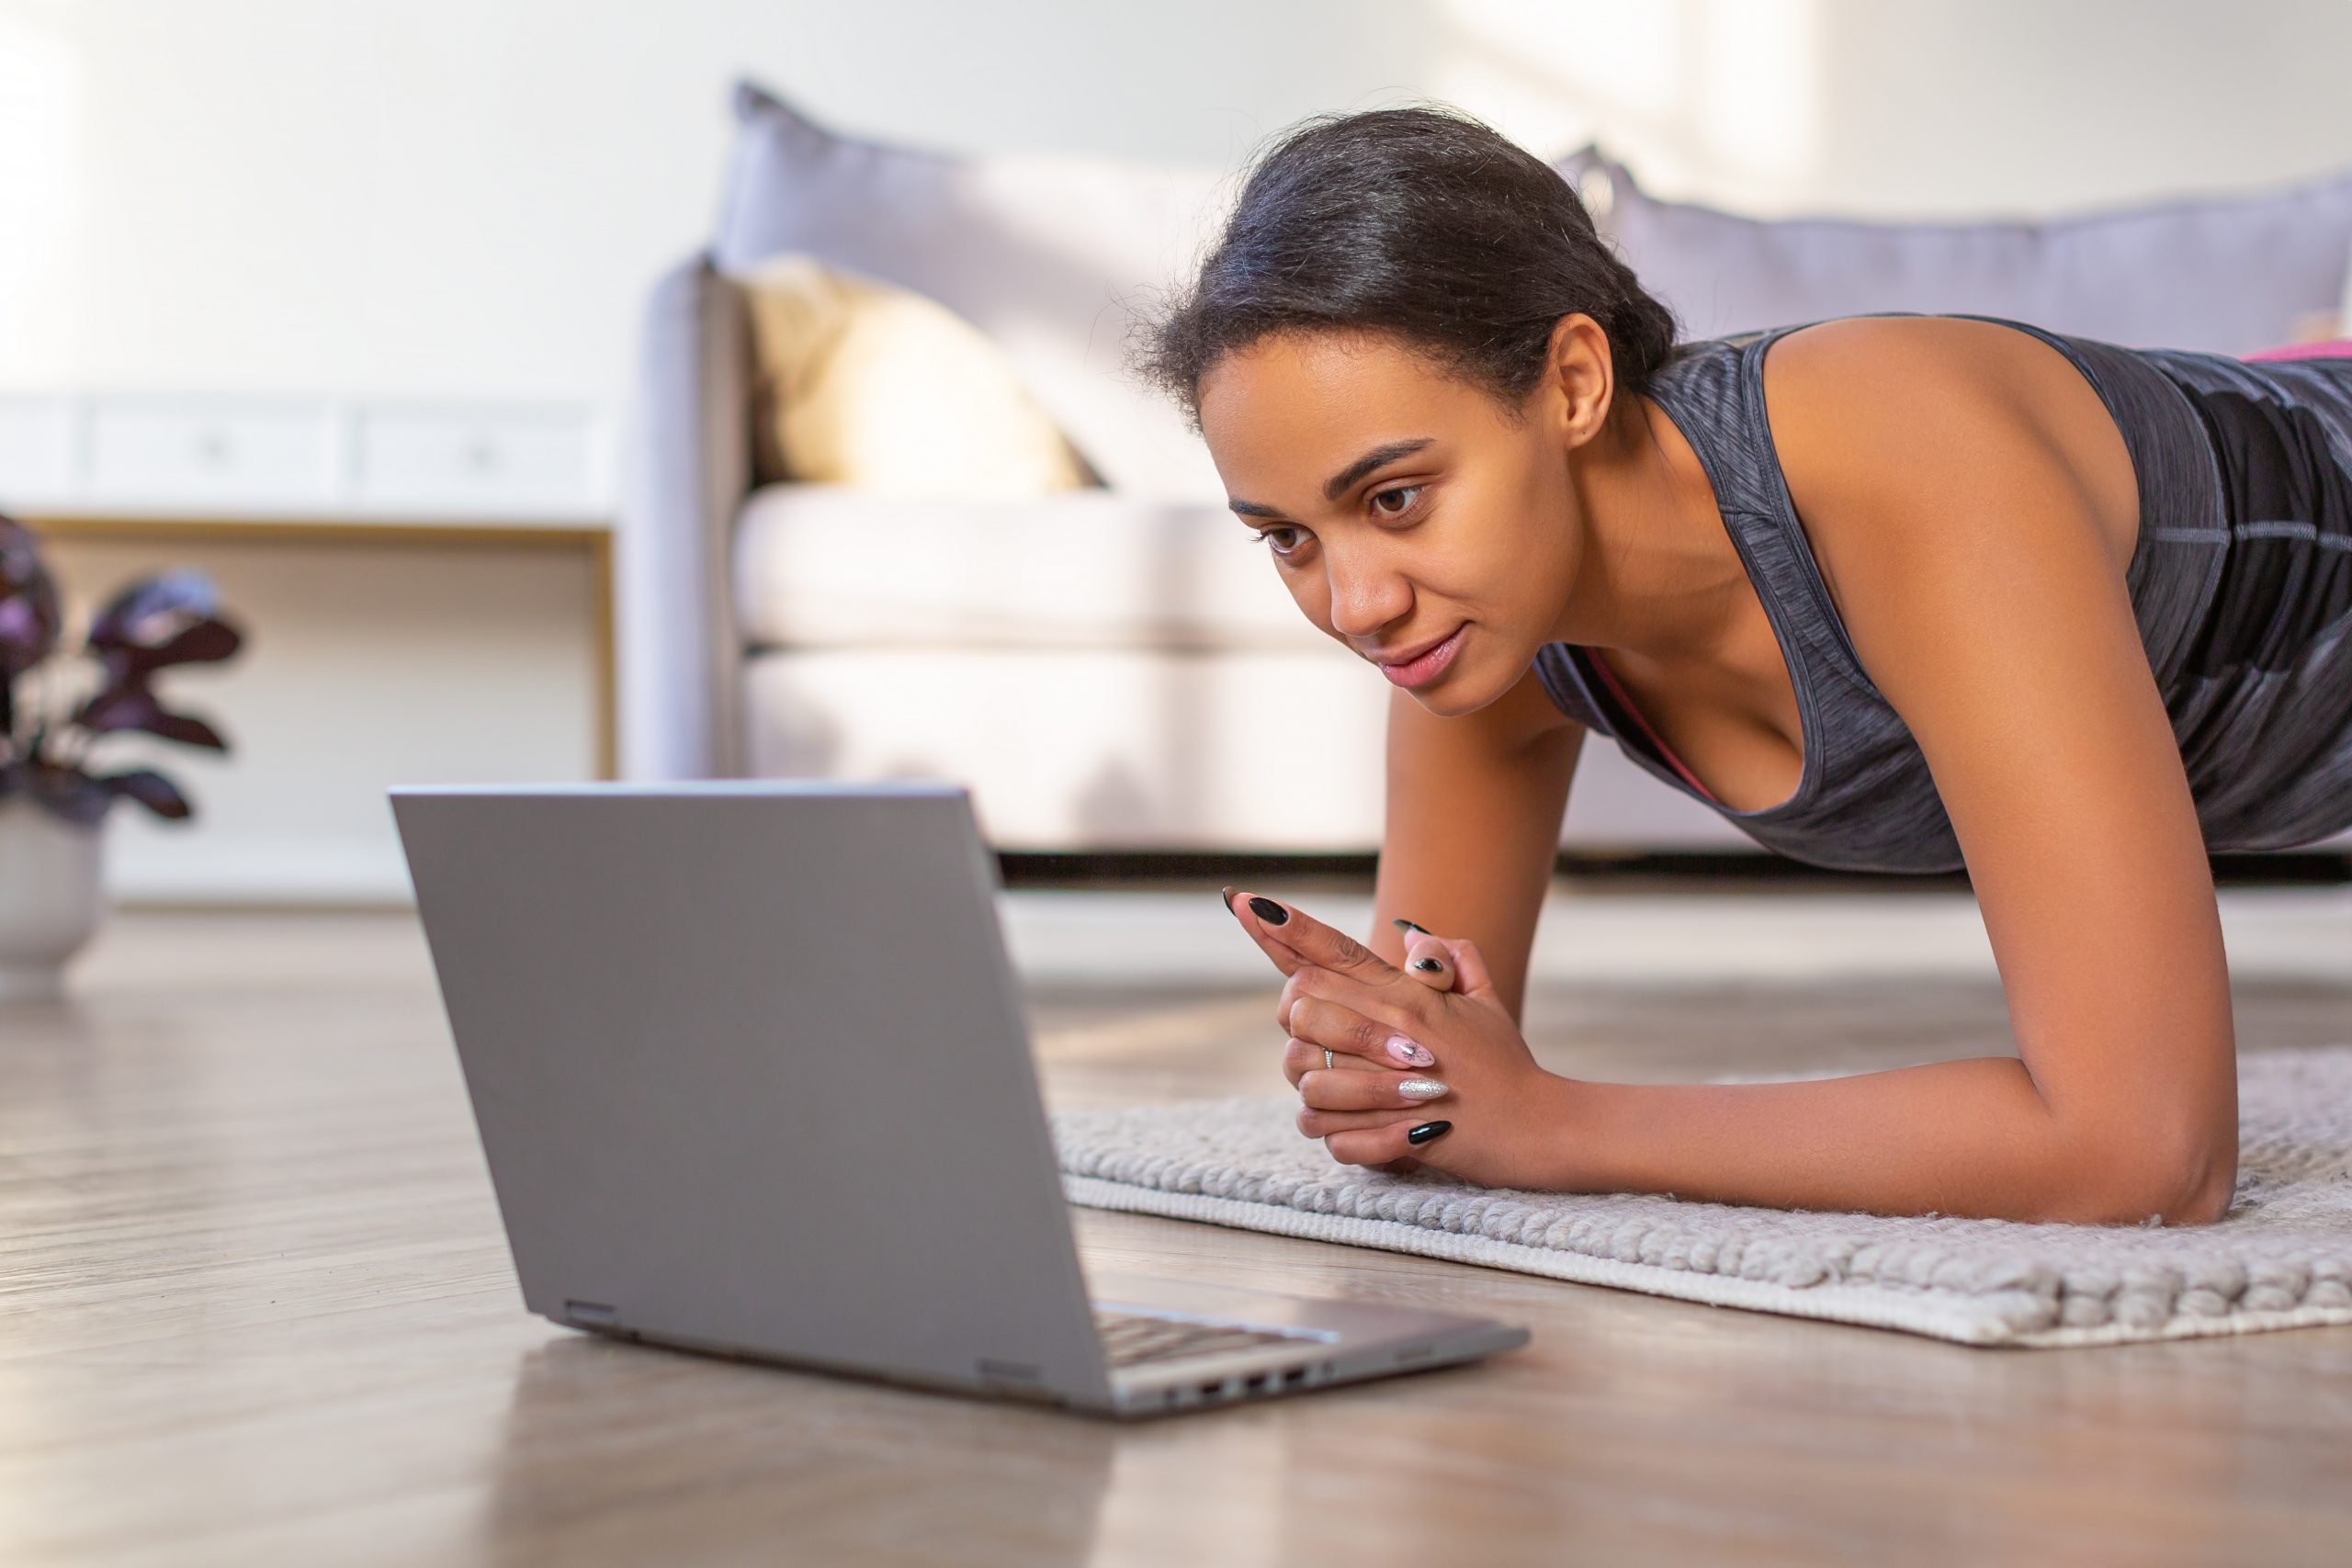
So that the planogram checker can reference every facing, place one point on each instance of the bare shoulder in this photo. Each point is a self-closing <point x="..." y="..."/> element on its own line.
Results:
<point x="1973" y="425"/>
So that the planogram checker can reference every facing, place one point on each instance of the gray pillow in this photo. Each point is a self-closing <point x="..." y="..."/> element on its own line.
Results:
<point x="1049" y="253"/>
<point x="1046" y="253"/>
<point x="2229" y="275"/>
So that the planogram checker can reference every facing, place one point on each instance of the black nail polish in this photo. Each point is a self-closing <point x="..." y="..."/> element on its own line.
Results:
<point x="1403" y="924"/>
<point x="1427" y="963"/>
<point x="1428" y="1130"/>
<point x="1266" y="910"/>
<point x="1224" y="896"/>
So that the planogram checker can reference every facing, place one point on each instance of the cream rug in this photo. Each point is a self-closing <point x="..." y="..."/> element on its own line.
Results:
<point x="2282" y="1259"/>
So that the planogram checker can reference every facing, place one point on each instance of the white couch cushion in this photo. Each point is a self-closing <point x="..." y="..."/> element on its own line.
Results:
<point x="817" y="565"/>
<point x="1112" y="749"/>
<point x="1100" y="748"/>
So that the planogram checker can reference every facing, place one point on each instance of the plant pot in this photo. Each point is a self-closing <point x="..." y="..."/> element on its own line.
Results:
<point x="50" y="896"/>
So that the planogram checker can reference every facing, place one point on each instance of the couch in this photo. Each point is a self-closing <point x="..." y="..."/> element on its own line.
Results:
<point x="1117" y="667"/>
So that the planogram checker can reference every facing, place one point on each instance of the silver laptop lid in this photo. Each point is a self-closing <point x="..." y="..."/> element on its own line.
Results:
<point x="751" y="1073"/>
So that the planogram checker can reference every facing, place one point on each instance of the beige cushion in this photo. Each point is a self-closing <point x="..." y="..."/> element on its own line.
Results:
<point x="860" y="382"/>
<point x="827" y="566"/>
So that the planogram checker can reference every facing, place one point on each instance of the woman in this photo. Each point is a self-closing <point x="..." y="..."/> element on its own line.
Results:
<point x="1897" y="593"/>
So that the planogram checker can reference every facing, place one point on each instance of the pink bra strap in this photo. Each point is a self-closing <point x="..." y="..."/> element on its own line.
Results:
<point x="1633" y="713"/>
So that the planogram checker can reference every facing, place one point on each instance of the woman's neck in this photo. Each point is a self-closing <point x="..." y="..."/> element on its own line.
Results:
<point x="1658" y="575"/>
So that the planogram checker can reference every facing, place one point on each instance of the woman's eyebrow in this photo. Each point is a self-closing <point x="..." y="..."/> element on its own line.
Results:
<point x="1340" y="483"/>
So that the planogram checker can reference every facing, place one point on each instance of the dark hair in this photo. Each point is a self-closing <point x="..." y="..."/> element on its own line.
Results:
<point x="1421" y="222"/>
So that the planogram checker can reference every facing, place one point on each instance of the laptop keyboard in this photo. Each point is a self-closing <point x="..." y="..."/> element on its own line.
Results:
<point x="1129" y="1338"/>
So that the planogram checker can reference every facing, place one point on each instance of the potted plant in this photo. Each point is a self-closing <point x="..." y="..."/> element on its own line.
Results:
<point x="54" y="708"/>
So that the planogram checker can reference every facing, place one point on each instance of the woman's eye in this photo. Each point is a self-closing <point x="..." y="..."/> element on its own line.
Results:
<point x="1275" y="538"/>
<point x="1408" y="491"/>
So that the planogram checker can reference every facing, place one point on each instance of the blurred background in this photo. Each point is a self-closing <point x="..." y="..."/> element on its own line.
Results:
<point x="361" y="309"/>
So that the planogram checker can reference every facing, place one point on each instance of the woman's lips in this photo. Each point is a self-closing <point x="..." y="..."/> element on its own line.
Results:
<point x="1421" y="671"/>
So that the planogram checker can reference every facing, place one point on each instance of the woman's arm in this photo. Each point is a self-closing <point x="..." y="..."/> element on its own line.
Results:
<point x="1986" y="604"/>
<point x="1473" y="831"/>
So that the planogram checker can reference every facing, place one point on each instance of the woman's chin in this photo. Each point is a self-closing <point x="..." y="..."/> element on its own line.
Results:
<point x="1465" y="686"/>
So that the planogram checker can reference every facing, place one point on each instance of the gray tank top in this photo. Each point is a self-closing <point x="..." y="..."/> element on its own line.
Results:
<point x="2241" y="584"/>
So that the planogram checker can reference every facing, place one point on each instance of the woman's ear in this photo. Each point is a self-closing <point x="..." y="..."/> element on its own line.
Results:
<point x="1582" y="383"/>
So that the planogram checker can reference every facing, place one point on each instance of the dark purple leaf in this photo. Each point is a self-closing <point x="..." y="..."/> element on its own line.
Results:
<point x="70" y="793"/>
<point x="126" y="705"/>
<point x="136" y="706"/>
<point x="149" y="789"/>
<point x="205" y="642"/>
<point x="78" y="797"/>
<point x="197" y="642"/>
<point x="152" y="611"/>
<point x="188" y="730"/>
<point x="29" y="618"/>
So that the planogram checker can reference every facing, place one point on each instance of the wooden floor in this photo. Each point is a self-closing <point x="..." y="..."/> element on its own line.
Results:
<point x="256" y="1309"/>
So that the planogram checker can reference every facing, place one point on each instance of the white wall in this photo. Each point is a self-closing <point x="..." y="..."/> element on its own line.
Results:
<point x="466" y="198"/>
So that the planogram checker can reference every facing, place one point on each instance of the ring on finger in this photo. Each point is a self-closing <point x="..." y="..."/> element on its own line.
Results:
<point x="1327" y="1059"/>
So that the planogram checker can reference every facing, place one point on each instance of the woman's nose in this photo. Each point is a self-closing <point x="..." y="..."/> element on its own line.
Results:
<point x="1365" y="598"/>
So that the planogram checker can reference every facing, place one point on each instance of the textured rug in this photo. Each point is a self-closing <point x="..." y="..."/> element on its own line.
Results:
<point x="2283" y="1258"/>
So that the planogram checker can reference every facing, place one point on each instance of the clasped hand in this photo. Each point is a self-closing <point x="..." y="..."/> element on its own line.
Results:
<point x="1428" y="1046"/>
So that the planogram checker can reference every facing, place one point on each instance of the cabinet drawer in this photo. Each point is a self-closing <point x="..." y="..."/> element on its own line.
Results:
<point x="36" y="449"/>
<point x="493" y="461"/>
<point x="183" y="454"/>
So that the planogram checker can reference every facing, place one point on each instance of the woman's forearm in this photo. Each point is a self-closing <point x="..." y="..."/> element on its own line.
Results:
<point x="1473" y="812"/>
<point x="1965" y="1138"/>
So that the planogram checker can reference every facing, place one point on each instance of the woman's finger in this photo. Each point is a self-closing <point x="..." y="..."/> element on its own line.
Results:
<point x="1303" y="1056"/>
<point x="1375" y="1145"/>
<point x="1402" y="1005"/>
<point x="1471" y="976"/>
<point x="1346" y="1089"/>
<point x="1462" y="966"/>
<point x="1429" y="960"/>
<point x="1314" y="1123"/>
<point x="1319" y="1020"/>
<point x="1291" y="937"/>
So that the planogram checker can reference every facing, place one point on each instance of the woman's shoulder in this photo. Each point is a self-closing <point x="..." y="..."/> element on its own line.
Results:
<point x="1867" y="412"/>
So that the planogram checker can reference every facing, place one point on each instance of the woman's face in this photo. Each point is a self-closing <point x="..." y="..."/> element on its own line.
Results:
<point x="1406" y="512"/>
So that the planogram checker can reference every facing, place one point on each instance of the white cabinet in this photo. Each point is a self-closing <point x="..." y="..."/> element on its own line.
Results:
<point x="156" y="454"/>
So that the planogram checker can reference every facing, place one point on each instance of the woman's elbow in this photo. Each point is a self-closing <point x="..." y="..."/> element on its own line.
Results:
<point x="2188" y="1179"/>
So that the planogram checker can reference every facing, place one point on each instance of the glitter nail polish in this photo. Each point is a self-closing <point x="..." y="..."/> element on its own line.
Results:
<point x="1421" y="1088"/>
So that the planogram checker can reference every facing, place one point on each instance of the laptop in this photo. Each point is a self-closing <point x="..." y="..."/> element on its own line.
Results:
<point x="751" y="1074"/>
